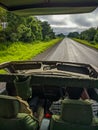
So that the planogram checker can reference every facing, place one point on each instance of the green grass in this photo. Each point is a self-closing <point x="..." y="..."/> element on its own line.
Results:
<point x="3" y="71"/>
<point x="87" y="43"/>
<point x="23" y="51"/>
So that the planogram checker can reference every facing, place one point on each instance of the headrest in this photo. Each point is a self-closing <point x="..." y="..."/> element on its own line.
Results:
<point x="23" y="88"/>
<point x="9" y="106"/>
<point x="76" y="111"/>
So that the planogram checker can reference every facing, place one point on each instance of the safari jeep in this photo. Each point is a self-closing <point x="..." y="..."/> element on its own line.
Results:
<point x="41" y="83"/>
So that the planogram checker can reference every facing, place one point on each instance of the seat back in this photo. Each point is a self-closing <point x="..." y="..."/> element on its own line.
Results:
<point x="9" y="106"/>
<point x="11" y="119"/>
<point x="23" y="88"/>
<point x="77" y="112"/>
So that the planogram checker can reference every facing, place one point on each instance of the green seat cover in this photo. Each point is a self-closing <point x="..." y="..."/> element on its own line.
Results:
<point x="77" y="111"/>
<point x="57" y="123"/>
<point x="9" y="106"/>
<point x="75" y="115"/>
<point x="21" y="122"/>
<point x="10" y="119"/>
<point x="23" y="88"/>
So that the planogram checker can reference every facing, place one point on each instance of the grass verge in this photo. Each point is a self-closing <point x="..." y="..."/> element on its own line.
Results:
<point x="95" y="46"/>
<point x="24" y="51"/>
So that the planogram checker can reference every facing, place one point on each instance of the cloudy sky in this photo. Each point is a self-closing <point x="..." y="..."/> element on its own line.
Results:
<point x="70" y="23"/>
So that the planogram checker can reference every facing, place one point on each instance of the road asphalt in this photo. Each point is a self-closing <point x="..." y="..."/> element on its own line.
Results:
<point x="70" y="51"/>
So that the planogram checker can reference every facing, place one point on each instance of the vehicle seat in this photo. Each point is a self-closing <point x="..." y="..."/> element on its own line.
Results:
<point x="11" y="119"/>
<point x="23" y="87"/>
<point x="75" y="115"/>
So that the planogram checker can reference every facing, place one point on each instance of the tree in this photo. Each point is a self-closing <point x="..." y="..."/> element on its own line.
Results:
<point x="35" y="25"/>
<point x="47" y="31"/>
<point x="61" y="35"/>
<point x="3" y="19"/>
<point x="96" y="37"/>
<point x="23" y="28"/>
<point x="24" y="33"/>
<point x="73" y="35"/>
<point x="14" y="21"/>
<point x="3" y="16"/>
<point x="88" y="34"/>
<point x="2" y="36"/>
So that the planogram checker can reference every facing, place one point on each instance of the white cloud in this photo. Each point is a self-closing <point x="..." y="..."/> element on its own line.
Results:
<point x="68" y="23"/>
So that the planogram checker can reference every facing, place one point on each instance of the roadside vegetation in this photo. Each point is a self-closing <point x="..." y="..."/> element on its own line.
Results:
<point x="14" y="28"/>
<point x="22" y="38"/>
<point x="23" y="51"/>
<point x="86" y="43"/>
<point x="88" y="37"/>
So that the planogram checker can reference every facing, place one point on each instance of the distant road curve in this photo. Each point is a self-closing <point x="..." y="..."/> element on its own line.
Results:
<point x="70" y="51"/>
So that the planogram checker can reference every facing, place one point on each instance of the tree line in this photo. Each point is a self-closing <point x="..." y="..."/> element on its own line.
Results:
<point x="90" y="35"/>
<point x="14" y="28"/>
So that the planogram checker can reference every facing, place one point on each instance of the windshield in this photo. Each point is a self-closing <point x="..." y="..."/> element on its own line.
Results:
<point x="77" y="28"/>
<point x="66" y="38"/>
<point x="48" y="60"/>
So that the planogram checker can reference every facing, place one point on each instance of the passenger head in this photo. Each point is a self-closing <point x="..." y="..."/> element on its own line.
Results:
<point x="74" y="92"/>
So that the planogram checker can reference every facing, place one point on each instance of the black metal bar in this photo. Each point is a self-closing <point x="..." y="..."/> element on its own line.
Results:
<point x="4" y="6"/>
<point x="54" y="81"/>
<point x="65" y="82"/>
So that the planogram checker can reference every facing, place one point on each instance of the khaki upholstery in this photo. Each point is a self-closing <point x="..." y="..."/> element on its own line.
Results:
<point x="58" y="124"/>
<point x="75" y="115"/>
<point x="21" y="122"/>
<point x="9" y="106"/>
<point x="23" y="88"/>
<point x="11" y="119"/>
<point x="74" y="110"/>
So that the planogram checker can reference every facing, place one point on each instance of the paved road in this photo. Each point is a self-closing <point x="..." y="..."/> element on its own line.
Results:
<point x="70" y="51"/>
<point x="2" y="87"/>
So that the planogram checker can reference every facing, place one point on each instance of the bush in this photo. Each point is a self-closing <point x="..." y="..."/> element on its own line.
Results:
<point x="14" y="37"/>
<point x="96" y="37"/>
<point x="2" y="36"/>
<point x="93" y="42"/>
<point x="24" y="33"/>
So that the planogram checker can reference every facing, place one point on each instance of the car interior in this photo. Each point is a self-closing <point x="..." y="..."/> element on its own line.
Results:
<point x="29" y="80"/>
